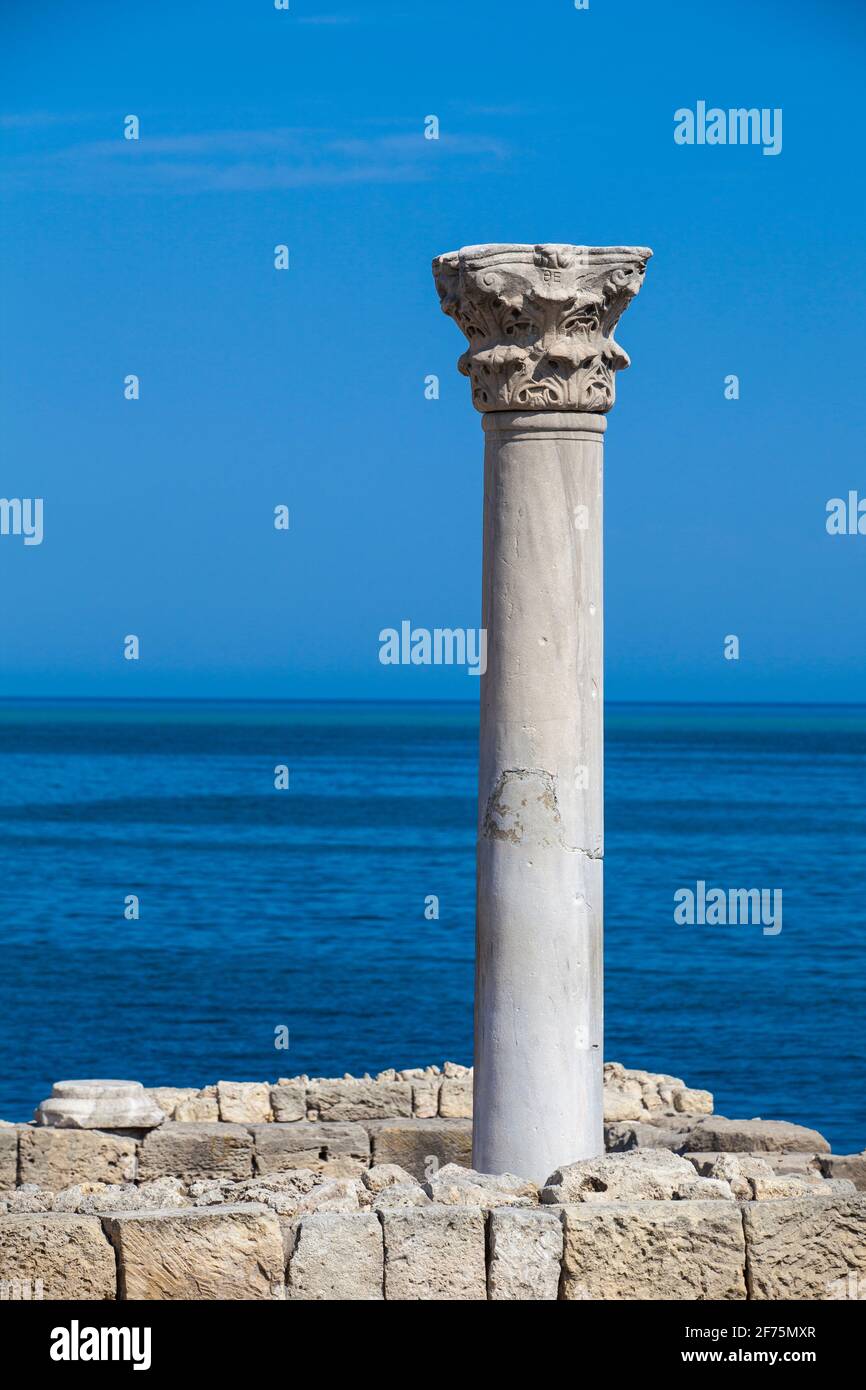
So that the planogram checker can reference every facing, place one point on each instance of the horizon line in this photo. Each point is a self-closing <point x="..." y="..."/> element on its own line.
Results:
<point x="365" y="700"/>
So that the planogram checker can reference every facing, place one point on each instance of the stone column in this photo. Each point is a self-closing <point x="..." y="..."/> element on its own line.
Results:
<point x="541" y="362"/>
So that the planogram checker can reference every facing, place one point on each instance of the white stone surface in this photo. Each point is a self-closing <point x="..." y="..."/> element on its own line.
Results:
<point x="99" y="1105"/>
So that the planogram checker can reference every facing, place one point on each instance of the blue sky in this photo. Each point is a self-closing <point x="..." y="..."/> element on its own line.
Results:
<point x="306" y="387"/>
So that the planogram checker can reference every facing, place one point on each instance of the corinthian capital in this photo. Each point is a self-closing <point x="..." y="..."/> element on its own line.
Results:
<point x="540" y="321"/>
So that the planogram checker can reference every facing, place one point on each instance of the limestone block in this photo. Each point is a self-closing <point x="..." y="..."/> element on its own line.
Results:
<point x="29" y="1197"/>
<point x="851" y="1166"/>
<point x="736" y="1167"/>
<point x="806" y="1247"/>
<point x="623" y="1094"/>
<point x="435" y="1254"/>
<point x="525" y="1255"/>
<point x="96" y="1198"/>
<point x="401" y="1194"/>
<point x="754" y="1136"/>
<point x="637" y="1175"/>
<point x="289" y="1101"/>
<point x="334" y="1194"/>
<point x="653" y="1132"/>
<point x="701" y="1189"/>
<point x="625" y="1251"/>
<point x="244" y="1102"/>
<point x="57" y="1158"/>
<point x="455" y="1099"/>
<point x="281" y="1192"/>
<point x="337" y="1255"/>
<point x="167" y="1098"/>
<point x="358" y="1100"/>
<point x="690" y="1102"/>
<point x="8" y="1156"/>
<point x="196" y="1151"/>
<point x="68" y="1253"/>
<point x="456" y="1186"/>
<point x="99" y="1105"/>
<point x="383" y="1175"/>
<point x="338" y="1150"/>
<point x="425" y="1098"/>
<point x="422" y="1146"/>
<point x="776" y="1185"/>
<point x="228" y="1252"/>
<point x="619" y="1106"/>
<point x="197" y="1109"/>
<point x="806" y="1164"/>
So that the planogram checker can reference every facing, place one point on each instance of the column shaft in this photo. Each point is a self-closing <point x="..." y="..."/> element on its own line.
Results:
<point x="538" y="1012"/>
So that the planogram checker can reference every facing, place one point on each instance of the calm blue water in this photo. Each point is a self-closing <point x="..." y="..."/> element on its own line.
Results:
<point x="305" y="908"/>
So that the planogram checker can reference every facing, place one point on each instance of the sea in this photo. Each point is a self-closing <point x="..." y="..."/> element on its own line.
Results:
<point x="173" y="915"/>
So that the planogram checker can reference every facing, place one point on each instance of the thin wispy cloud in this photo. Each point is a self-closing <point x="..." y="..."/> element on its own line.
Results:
<point x="31" y="120"/>
<point x="252" y="160"/>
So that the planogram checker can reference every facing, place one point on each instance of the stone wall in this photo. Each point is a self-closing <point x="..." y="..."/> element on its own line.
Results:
<point x="691" y="1249"/>
<point x="362" y="1188"/>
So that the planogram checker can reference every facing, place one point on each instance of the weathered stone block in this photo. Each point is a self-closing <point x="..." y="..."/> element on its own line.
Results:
<point x="805" y="1247"/>
<point x="663" y="1132"/>
<point x="620" y="1106"/>
<point x="422" y="1146"/>
<point x="337" y="1255"/>
<point x="637" y="1175"/>
<point x="425" y="1097"/>
<point x="463" y="1187"/>
<point x="8" y="1156"/>
<point x="332" y="1149"/>
<point x="401" y="1194"/>
<point x="525" y="1254"/>
<point x="289" y="1101"/>
<point x="435" y="1253"/>
<point x="384" y="1175"/>
<point x="230" y="1252"/>
<point x="244" y="1102"/>
<point x="193" y="1151"/>
<point x="55" y="1255"/>
<point x="754" y="1136"/>
<point x="851" y="1166"/>
<point x="198" y="1109"/>
<point x="654" y="1250"/>
<point x="707" y="1164"/>
<point x="455" y="1099"/>
<point x="688" y="1101"/>
<point x="168" y="1098"/>
<point x="57" y="1158"/>
<point x="777" y="1185"/>
<point x="358" y="1100"/>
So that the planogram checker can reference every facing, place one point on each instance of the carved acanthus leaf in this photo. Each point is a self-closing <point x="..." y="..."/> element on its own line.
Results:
<point x="540" y="321"/>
